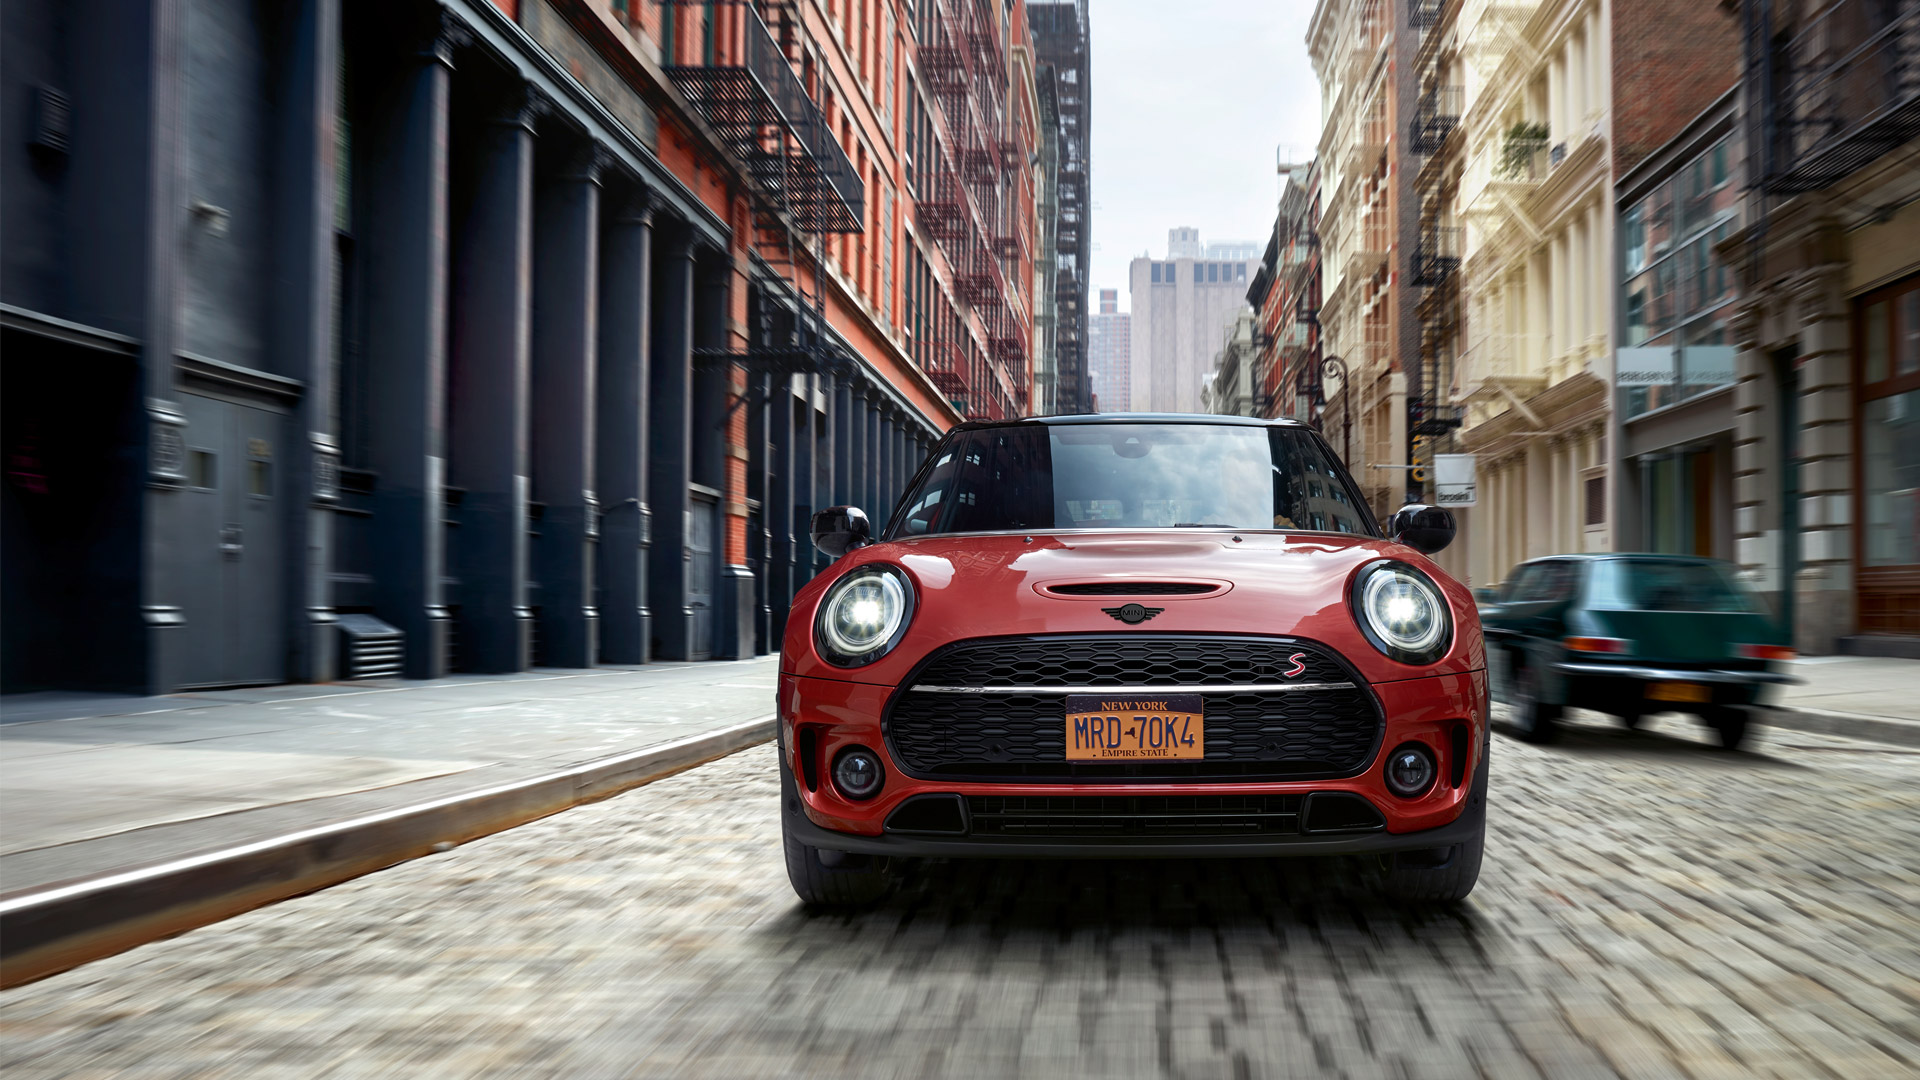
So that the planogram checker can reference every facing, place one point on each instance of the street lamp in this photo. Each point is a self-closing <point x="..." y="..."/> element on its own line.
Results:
<point x="1337" y="368"/>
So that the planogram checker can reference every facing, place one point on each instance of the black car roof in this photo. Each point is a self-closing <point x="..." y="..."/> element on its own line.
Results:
<point x="1133" y="418"/>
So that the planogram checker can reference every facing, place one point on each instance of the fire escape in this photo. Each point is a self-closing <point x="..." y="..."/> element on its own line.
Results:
<point x="1435" y="260"/>
<point x="962" y="204"/>
<point x="1834" y="86"/>
<point x="725" y="59"/>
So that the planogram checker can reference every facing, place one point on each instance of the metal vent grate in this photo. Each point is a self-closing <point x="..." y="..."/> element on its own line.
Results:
<point x="52" y="120"/>
<point x="370" y="649"/>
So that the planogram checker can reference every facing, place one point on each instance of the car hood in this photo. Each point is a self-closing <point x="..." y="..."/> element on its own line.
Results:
<point x="996" y="585"/>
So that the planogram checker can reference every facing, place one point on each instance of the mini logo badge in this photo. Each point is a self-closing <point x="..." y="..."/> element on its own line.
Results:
<point x="1299" y="665"/>
<point x="1133" y="613"/>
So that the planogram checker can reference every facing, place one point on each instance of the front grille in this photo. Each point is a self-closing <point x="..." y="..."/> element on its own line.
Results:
<point x="1128" y="660"/>
<point x="1135" y="815"/>
<point x="1132" y="588"/>
<point x="1014" y="734"/>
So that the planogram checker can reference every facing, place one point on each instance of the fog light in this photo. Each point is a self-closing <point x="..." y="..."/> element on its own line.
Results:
<point x="1410" y="770"/>
<point x="857" y="773"/>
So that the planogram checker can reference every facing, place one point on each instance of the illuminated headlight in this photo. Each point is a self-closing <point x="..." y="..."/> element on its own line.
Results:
<point x="864" y="615"/>
<point x="1402" y="613"/>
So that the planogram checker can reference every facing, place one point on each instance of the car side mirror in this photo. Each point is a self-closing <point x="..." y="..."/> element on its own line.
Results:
<point x="1425" y="529"/>
<point x="839" y="529"/>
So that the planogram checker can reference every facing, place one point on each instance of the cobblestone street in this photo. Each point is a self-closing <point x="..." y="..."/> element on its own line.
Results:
<point x="1650" y="907"/>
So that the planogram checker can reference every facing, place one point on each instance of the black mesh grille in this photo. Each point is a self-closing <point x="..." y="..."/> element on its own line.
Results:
<point x="1290" y="735"/>
<point x="1133" y="588"/>
<point x="1127" y="660"/>
<point x="1134" y="815"/>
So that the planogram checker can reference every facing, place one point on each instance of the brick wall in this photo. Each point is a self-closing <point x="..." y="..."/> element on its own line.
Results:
<point x="1671" y="59"/>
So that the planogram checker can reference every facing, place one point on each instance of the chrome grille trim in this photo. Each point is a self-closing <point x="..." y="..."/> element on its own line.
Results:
<point x="1211" y="688"/>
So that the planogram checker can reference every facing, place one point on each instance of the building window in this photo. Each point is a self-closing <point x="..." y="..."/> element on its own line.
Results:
<point x="1156" y="273"/>
<point x="1887" y="323"/>
<point x="1596" y="500"/>
<point x="1199" y="273"/>
<point x="1213" y="271"/>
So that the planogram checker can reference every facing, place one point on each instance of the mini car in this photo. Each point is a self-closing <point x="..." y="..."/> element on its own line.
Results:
<point x="1632" y="635"/>
<point x="1132" y="636"/>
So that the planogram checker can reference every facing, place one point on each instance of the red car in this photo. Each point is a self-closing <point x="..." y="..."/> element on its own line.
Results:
<point x="1132" y="636"/>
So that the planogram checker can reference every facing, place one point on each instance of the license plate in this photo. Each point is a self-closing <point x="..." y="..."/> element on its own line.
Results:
<point x="1678" y="691"/>
<point x="1170" y="727"/>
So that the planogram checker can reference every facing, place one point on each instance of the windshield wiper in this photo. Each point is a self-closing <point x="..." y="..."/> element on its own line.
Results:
<point x="1203" y="525"/>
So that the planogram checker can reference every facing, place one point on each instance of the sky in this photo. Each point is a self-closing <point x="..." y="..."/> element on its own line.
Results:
<point x="1190" y="100"/>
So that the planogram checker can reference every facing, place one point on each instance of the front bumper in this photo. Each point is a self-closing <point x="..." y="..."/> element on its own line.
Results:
<point x="1468" y="827"/>
<point x="819" y="718"/>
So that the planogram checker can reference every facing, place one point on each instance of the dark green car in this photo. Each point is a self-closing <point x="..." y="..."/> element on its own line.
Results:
<point x="1631" y="635"/>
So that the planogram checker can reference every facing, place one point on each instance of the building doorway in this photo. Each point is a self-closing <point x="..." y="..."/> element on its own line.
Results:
<point x="703" y="514"/>
<point x="229" y="551"/>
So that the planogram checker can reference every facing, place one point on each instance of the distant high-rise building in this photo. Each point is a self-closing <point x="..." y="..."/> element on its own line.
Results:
<point x="1063" y="59"/>
<point x="1181" y="307"/>
<point x="1109" y="351"/>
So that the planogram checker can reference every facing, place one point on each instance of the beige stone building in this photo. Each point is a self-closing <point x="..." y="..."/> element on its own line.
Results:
<point x="1535" y="201"/>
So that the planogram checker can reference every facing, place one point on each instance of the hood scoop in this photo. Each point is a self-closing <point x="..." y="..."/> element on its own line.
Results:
<point x="1073" y="590"/>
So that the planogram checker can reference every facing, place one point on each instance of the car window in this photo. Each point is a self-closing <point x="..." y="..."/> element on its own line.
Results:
<point x="1516" y="586"/>
<point x="1165" y="475"/>
<point x="1546" y="582"/>
<point x="1671" y="585"/>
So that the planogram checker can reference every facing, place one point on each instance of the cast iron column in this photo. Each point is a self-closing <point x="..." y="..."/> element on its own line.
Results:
<point x="621" y="401"/>
<point x="671" y="454"/>
<point x="406" y="289"/>
<point x="780" y="499"/>
<point x="842" y="439"/>
<point x="302" y="327"/>
<point x="566" y="300"/>
<point x="487" y="398"/>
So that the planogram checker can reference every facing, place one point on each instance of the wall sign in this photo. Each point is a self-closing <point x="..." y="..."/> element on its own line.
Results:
<point x="1453" y="480"/>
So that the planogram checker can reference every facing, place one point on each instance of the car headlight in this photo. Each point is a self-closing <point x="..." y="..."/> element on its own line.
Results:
<point x="1402" y="612"/>
<point x="864" y="615"/>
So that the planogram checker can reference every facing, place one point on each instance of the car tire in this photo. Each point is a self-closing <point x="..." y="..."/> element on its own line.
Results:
<point x="1730" y="723"/>
<point x="1444" y="876"/>
<point x="1535" y="721"/>
<point x="856" y="880"/>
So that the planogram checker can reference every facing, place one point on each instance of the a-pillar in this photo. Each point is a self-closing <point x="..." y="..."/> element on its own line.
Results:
<point x="621" y="400"/>
<point x="487" y="397"/>
<point x="406" y="290"/>
<point x="566" y="288"/>
<point x="670" y="454"/>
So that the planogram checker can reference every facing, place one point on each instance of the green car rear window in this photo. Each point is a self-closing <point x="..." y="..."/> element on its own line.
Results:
<point x="1669" y="585"/>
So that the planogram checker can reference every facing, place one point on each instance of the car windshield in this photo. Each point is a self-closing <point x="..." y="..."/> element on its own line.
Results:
<point x="1131" y="476"/>
<point x="1670" y="585"/>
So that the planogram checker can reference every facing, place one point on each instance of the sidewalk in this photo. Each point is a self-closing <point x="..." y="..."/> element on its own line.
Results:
<point x="284" y="789"/>
<point x="1864" y="697"/>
